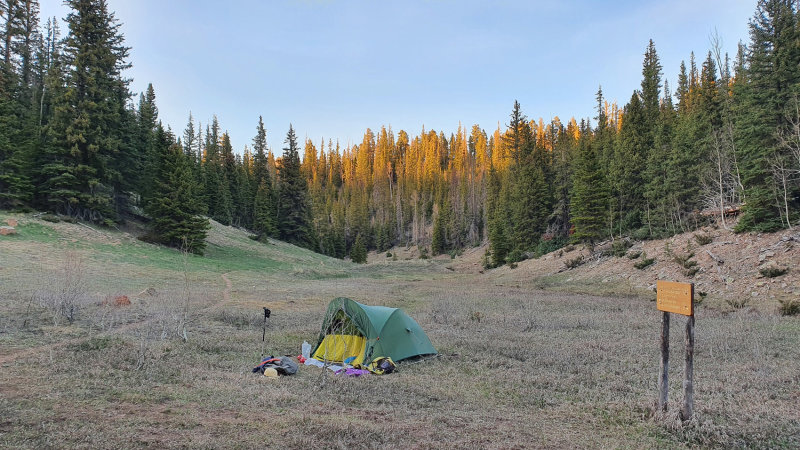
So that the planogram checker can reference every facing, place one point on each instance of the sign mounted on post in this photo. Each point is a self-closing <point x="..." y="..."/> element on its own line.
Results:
<point x="675" y="297"/>
<point x="678" y="298"/>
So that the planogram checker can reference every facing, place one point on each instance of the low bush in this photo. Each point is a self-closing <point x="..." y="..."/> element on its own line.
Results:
<point x="634" y="254"/>
<point x="789" y="307"/>
<point x="574" y="262"/>
<point x="641" y="234"/>
<point x="685" y="260"/>
<point x="92" y="344"/>
<point x="548" y="246"/>
<point x="644" y="262"/>
<point x="772" y="271"/>
<point x="516" y="255"/>
<point x="703" y="239"/>
<point x="487" y="260"/>
<point x="738" y="303"/>
<point x="690" y="272"/>
<point x="620" y="248"/>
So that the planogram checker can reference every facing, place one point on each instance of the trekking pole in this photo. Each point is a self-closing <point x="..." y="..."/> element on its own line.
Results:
<point x="267" y="313"/>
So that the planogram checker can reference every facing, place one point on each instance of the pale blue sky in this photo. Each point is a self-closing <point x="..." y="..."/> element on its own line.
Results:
<point x="335" y="68"/>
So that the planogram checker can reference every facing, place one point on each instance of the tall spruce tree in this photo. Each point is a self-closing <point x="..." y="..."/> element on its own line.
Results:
<point x="85" y="133"/>
<point x="589" y="202"/>
<point x="531" y="198"/>
<point x="145" y="162"/>
<point x="563" y="161"/>
<point x="294" y="209"/>
<point x="773" y="79"/>
<point x="657" y="169"/>
<point x="19" y="35"/>
<point x="174" y="207"/>
<point x="358" y="253"/>
<point x="264" y="207"/>
<point x="651" y="91"/>
<point x="229" y="190"/>
<point x="500" y="243"/>
<point x="627" y="167"/>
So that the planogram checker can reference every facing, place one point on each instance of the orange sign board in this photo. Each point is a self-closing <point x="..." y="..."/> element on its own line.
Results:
<point x="675" y="297"/>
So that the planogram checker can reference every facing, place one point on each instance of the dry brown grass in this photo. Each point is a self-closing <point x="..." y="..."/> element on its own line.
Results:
<point x="518" y="366"/>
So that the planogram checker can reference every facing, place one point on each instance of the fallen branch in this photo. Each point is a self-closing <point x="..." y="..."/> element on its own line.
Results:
<point x="716" y="258"/>
<point x="95" y="230"/>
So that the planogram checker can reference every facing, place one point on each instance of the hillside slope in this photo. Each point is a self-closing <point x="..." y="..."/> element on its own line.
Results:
<point x="728" y="268"/>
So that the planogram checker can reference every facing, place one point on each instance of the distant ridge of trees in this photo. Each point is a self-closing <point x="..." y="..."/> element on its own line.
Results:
<point x="728" y="137"/>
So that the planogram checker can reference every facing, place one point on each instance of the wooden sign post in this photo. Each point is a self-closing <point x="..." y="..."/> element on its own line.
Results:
<point x="678" y="298"/>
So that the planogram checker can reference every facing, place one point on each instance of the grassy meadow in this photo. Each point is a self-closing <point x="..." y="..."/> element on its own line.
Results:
<point x="520" y="365"/>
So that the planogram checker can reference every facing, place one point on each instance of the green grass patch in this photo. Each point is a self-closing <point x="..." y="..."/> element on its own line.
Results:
<point x="36" y="232"/>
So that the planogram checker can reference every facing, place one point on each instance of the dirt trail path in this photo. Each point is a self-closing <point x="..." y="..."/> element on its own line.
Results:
<point x="6" y="359"/>
<point x="226" y="294"/>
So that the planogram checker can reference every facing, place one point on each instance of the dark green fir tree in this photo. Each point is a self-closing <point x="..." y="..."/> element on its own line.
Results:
<point x="589" y="202"/>
<point x="358" y="253"/>
<point x="174" y="207"/>
<point x="294" y="207"/>
<point x="78" y="176"/>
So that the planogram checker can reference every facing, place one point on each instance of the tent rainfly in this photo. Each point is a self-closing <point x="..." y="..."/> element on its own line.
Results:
<point x="364" y="332"/>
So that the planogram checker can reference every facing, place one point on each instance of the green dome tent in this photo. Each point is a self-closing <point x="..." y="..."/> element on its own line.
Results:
<point x="351" y="329"/>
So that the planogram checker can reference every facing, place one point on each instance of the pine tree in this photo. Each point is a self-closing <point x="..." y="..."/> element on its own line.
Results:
<point x="589" y="195"/>
<point x="772" y="80"/>
<point x="18" y="125"/>
<point x="84" y="135"/>
<point x="438" y="240"/>
<point x="264" y="207"/>
<point x="229" y="189"/>
<point x="657" y="169"/>
<point x="294" y="211"/>
<point x="223" y="203"/>
<point x="651" y="91"/>
<point x="358" y="253"/>
<point x="532" y="197"/>
<point x="627" y="167"/>
<point x="563" y="156"/>
<point x="144" y="163"/>
<point x="497" y="215"/>
<point x="174" y="207"/>
<point x="264" y="221"/>
<point x="245" y="200"/>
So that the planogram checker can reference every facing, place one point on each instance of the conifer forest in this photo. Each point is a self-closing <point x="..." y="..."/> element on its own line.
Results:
<point x="75" y="141"/>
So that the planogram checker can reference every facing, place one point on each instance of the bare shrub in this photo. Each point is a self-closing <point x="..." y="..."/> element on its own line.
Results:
<point x="67" y="289"/>
<point x="172" y="314"/>
<point x="738" y="303"/>
<point x="107" y="316"/>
